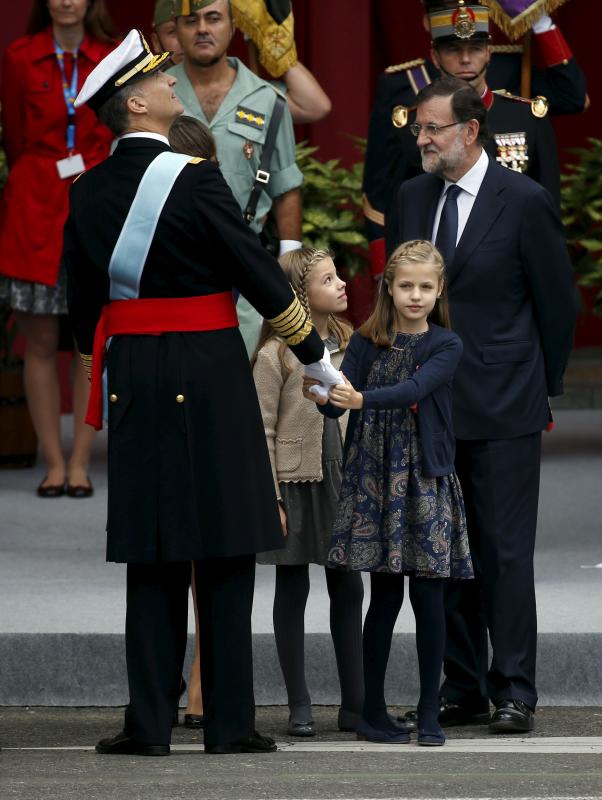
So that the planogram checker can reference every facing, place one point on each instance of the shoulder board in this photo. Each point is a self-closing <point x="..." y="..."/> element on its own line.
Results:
<point x="196" y="160"/>
<point x="539" y="105"/>
<point x="417" y="62"/>
<point x="505" y="49"/>
<point x="278" y="91"/>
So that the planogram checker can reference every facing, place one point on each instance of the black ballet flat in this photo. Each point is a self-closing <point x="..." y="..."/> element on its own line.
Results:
<point x="194" y="721"/>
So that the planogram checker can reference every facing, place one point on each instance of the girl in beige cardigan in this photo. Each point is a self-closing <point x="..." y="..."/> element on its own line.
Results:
<point x="306" y="451"/>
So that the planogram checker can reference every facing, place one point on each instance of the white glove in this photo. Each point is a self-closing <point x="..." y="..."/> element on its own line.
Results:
<point x="543" y="24"/>
<point x="289" y="244"/>
<point x="324" y="372"/>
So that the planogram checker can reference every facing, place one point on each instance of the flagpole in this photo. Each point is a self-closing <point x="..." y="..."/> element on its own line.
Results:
<point x="525" y="78"/>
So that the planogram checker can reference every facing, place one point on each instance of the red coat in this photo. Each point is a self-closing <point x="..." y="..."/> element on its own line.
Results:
<point x="35" y="202"/>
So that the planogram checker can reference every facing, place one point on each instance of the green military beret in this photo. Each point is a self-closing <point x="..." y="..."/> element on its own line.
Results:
<point x="184" y="7"/>
<point x="164" y="12"/>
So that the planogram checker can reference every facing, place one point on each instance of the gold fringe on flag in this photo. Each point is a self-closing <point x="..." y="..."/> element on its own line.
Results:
<point x="276" y="43"/>
<point x="515" y="27"/>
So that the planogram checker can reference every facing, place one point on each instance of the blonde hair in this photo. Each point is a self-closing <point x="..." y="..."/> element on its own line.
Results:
<point x="297" y="266"/>
<point x="379" y="327"/>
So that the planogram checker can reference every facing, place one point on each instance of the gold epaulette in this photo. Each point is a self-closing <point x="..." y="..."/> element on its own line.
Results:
<point x="196" y="160"/>
<point x="293" y="324"/>
<point x="87" y="362"/>
<point x="539" y="105"/>
<point x="506" y="49"/>
<point x="417" y="62"/>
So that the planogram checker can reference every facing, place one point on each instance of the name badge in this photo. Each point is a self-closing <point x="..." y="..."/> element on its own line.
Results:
<point x="70" y="166"/>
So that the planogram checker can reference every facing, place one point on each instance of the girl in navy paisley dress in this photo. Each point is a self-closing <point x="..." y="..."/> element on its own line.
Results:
<point x="400" y="509"/>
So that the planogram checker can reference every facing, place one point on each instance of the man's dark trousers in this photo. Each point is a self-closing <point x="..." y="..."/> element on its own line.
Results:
<point x="156" y="633"/>
<point x="500" y="482"/>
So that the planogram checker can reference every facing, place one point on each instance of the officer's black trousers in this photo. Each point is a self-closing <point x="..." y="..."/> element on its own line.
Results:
<point x="156" y="631"/>
<point x="500" y="482"/>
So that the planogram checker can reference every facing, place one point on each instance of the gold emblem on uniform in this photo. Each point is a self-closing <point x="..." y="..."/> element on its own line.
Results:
<point x="539" y="106"/>
<point x="399" y="116"/>
<point x="512" y="151"/>
<point x="248" y="149"/>
<point x="464" y="22"/>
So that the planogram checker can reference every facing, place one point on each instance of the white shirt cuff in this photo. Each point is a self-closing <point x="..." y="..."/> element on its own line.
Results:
<point x="289" y="244"/>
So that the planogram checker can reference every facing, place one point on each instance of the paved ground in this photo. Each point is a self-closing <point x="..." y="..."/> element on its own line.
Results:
<point x="562" y="760"/>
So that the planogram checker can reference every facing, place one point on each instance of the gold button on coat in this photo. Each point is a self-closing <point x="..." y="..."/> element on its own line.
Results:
<point x="179" y="398"/>
<point x="113" y="398"/>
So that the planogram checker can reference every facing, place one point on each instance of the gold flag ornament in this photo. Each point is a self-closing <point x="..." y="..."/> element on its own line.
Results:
<point x="516" y="17"/>
<point x="270" y="25"/>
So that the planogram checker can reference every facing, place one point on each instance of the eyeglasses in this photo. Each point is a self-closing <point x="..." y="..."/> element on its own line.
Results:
<point x="430" y="128"/>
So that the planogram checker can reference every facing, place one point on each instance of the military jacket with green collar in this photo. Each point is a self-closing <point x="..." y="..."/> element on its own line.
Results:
<point x="240" y="127"/>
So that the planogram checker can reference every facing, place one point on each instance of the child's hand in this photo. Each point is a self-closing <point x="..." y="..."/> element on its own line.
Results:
<point x="282" y="513"/>
<point x="343" y="395"/>
<point x="307" y="382"/>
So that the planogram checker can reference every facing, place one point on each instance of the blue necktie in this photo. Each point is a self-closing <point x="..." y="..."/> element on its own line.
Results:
<point x="447" y="233"/>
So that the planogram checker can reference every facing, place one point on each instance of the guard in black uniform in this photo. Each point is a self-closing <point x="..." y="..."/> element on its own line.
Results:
<point x="189" y="473"/>
<point x="522" y="138"/>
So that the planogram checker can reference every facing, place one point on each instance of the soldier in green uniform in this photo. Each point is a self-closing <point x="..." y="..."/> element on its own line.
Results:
<point x="237" y="106"/>
<point x="163" y="35"/>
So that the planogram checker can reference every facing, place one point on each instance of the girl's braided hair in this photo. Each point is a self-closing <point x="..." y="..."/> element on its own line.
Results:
<point x="297" y="266"/>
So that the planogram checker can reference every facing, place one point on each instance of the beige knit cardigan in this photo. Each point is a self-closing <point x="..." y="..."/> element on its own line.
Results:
<point x="293" y="425"/>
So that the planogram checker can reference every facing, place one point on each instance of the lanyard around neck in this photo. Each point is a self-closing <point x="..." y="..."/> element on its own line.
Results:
<point x="69" y="92"/>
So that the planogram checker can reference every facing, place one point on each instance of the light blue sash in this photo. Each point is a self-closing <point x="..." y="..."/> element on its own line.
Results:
<point x="135" y="239"/>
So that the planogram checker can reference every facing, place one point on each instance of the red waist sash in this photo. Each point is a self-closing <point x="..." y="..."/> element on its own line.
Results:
<point x="154" y="316"/>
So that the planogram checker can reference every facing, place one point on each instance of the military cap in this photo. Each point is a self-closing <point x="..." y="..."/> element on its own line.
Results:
<point x="456" y="20"/>
<point x="164" y="12"/>
<point x="184" y="7"/>
<point x="129" y="62"/>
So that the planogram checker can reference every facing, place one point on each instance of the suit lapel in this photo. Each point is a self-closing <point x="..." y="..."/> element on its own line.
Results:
<point x="487" y="207"/>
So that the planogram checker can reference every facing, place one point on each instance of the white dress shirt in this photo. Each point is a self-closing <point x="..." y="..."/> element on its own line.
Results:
<point x="470" y="183"/>
<point x="145" y="135"/>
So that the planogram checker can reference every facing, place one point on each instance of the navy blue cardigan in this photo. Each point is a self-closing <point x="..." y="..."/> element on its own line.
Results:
<point x="437" y="355"/>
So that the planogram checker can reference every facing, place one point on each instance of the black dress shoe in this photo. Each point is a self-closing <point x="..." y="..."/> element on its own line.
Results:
<point x="194" y="721"/>
<point x="122" y="745"/>
<point x="512" y="716"/>
<point x="455" y="714"/>
<point x="80" y="491"/>
<point x="256" y="743"/>
<point x="50" y="490"/>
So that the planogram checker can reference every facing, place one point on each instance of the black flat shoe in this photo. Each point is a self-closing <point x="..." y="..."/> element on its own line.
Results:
<point x="122" y="745"/>
<point x="194" y="721"/>
<point x="512" y="716"/>
<point x="80" y="491"/>
<point x="300" y="728"/>
<point x="50" y="491"/>
<point x="256" y="743"/>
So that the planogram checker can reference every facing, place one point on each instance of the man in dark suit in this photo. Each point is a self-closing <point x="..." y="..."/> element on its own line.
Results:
<point x="511" y="301"/>
<point x="522" y="137"/>
<point x="154" y="245"/>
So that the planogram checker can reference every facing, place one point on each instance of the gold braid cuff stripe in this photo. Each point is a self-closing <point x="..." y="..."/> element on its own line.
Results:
<point x="293" y="324"/>
<point x="87" y="362"/>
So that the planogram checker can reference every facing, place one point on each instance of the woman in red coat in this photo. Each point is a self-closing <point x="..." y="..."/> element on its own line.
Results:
<point x="46" y="148"/>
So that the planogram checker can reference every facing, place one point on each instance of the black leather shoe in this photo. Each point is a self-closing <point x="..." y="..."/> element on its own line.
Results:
<point x="194" y="721"/>
<point x="122" y="745"/>
<point x="300" y="728"/>
<point x="409" y="720"/>
<point x="451" y="715"/>
<point x="256" y="743"/>
<point x="512" y="716"/>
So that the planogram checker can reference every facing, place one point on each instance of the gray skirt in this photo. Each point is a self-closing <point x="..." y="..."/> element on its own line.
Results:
<point x="34" y="298"/>
<point x="310" y="507"/>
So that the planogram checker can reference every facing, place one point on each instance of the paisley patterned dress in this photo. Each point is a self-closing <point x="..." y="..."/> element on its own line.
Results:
<point x="391" y="518"/>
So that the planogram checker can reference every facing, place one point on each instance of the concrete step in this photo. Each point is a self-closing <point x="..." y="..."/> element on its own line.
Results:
<point x="67" y="669"/>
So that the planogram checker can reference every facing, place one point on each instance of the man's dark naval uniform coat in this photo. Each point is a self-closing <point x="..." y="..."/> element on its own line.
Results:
<point x="189" y="473"/>
<point x="203" y="473"/>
